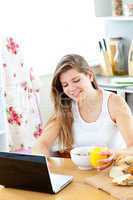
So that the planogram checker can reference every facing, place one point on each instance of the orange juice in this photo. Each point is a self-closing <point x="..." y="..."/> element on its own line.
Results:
<point x="95" y="156"/>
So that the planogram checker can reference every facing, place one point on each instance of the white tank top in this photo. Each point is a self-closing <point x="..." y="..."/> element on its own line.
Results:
<point x="101" y="132"/>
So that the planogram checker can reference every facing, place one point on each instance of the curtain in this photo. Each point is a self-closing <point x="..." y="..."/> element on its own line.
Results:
<point x="21" y="98"/>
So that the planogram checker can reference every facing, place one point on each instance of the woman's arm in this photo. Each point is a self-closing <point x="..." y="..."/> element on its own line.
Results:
<point x="121" y="114"/>
<point x="45" y="141"/>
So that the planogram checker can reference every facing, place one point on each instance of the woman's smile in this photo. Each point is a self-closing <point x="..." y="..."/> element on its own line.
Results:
<point x="74" y="93"/>
<point x="73" y="83"/>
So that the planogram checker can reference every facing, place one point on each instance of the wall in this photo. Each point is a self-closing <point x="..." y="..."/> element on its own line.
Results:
<point x="49" y="29"/>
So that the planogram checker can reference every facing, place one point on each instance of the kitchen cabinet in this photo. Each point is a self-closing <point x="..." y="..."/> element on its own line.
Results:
<point x="124" y="90"/>
<point x="115" y="26"/>
<point x="104" y="9"/>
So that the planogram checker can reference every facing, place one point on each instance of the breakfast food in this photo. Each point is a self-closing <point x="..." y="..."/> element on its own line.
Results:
<point x="116" y="171"/>
<point x="96" y="156"/>
<point x="126" y="179"/>
<point x="124" y="159"/>
<point x="122" y="170"/>
<point x="81" y="154"/>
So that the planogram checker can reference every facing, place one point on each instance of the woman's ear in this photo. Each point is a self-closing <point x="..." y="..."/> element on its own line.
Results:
<point x="90" y="75"/>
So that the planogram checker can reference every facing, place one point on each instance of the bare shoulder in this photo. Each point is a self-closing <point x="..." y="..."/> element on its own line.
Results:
<point x="118" y="105"/>
<point x="116" y="99"/>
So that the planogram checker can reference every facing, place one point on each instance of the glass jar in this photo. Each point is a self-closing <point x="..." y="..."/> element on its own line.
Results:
<point x="117" y="56"/>
<point x="117" y="8"/>
<point x="128" y="9"/>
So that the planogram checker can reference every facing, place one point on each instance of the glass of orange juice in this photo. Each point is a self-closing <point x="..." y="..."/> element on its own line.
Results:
<point x="96" y="156"/>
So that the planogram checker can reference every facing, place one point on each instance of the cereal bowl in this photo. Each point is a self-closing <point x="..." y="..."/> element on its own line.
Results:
<point x="80" y="157"/>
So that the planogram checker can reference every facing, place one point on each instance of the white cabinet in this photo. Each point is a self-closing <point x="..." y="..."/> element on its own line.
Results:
<point x="114" y="26"/>
<point x="103" y="8"/>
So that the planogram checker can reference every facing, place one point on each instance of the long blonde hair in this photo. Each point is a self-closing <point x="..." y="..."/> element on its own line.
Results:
<point x="62" y="103"/>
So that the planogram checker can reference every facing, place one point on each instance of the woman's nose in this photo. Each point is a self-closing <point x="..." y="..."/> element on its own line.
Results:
<point x="71" y="87"/>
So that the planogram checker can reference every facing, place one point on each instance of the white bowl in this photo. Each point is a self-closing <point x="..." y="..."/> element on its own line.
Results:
<point x="80" y="157"/>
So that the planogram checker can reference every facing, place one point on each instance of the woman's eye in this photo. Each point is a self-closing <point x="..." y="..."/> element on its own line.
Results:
<point x="64" y="85"/>
<point x="77" y="80"/>
<point x="74" y="81"/>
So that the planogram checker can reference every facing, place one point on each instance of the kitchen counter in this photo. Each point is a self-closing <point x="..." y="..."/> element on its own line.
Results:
<point x="76" y="190"/>
<point x="116" y="83"/>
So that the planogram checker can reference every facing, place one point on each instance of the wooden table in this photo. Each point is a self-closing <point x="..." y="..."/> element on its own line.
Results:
<point x="76" y="190"/>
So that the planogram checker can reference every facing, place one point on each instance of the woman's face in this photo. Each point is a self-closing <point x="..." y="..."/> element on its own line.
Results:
<point x="74" y="82"/>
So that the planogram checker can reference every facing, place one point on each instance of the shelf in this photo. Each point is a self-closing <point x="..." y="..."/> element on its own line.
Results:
<point x="117" y="18"/>
<point x="116" y="82"/>
<point x="104" y="9"/>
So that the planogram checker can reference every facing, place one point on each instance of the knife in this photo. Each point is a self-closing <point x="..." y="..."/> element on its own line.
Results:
<point x="106" y="55"/>
<point x="102" y="58"/>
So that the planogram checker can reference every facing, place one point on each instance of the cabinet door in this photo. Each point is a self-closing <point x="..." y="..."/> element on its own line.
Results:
<point x="103" y="8"/>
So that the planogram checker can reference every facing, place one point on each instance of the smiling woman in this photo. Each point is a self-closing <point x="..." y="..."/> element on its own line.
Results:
<point x="84" y="114"/>
<point x="72" y="88"/>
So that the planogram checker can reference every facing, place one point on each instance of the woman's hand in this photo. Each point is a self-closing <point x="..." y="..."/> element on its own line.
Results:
<point x="106" y="162"/>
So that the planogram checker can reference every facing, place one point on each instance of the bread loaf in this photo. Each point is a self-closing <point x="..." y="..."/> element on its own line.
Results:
<point x="122" y="170"/>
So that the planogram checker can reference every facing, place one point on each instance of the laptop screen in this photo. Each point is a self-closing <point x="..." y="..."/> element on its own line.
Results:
<point x="30" y="172"/>
<point x="25" y="172"/>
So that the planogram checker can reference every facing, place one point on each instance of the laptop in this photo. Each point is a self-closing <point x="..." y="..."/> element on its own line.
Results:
<point x="30" y="172"/>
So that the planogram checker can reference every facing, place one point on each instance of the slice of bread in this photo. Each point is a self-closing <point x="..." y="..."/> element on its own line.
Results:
<point x="130" y="170"/>
<point x="122" y="159"/>
<point x="126" y="179"/>
<point x="122" y="170"/>
<point x="116" y="171"/>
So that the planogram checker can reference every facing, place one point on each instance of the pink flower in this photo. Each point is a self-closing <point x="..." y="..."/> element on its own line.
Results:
<point x="4" y="65"/>
<point x="24" y="85"/>
<point x="38" y="131"/>
<point x="31" y="74"/>
<point x="13" y="117"/>
<point x="12" y="46"/>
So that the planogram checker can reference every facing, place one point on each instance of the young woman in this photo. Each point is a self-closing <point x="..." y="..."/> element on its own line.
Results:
<point x="84" y="113"/>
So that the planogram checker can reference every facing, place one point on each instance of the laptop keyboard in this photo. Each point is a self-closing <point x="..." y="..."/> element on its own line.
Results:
<point x="59" y="181"/>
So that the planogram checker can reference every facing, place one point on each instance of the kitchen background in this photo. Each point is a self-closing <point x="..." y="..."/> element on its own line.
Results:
<point x="116" y="24"/>
<point x="117" y="16"/>
<point x="46" y="30"/>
